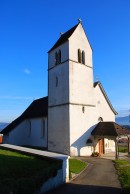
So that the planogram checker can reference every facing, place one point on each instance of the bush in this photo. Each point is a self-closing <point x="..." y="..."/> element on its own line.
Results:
<point x="95" y="154"/>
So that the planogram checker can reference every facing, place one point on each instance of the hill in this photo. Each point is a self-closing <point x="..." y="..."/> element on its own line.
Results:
<point x="123" y="120"/>
<point x="127" y="126"/>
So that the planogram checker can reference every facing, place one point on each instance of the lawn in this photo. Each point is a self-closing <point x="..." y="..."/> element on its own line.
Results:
<point x="123" y="149"/>
<point x="21" y="173"/>
<point x="76" y="166"/>
<point x="123" y="169"/>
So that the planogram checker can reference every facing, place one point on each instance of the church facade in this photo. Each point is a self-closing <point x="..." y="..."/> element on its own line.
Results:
<point x="75" y="104"/>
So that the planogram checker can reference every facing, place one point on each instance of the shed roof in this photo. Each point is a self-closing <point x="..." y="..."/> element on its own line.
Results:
<point x="38" y="108"/>
<point x="109" y="129"/>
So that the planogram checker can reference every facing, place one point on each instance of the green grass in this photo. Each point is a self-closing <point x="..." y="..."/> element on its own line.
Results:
<point x="123" y="169"/>
<point x="21" y="173"/>
<point x="123" y="149"/>
<point x="76" y="166"/>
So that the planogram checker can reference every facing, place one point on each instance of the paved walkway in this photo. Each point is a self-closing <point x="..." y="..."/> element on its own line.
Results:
<point x="98" y="178"/>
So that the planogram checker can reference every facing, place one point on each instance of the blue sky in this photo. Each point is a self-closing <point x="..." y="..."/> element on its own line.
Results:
<point x="29" y="28"/>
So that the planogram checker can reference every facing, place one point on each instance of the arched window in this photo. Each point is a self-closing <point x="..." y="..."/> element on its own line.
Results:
<point x="59" y="57"/>
<point x="100" y="119"/>
<point x="56" y="58"/>
<point x="83" y="109"/>
<point x="79" y="55"/>
<point x="83" y="57"/>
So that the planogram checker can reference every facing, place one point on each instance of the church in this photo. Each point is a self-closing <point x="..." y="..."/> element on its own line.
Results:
<point x="77" y="117"/>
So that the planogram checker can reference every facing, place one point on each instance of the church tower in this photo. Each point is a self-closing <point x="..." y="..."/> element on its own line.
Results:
<point x="70" y="92"/>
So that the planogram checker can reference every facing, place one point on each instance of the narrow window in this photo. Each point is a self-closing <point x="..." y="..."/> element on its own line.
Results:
<point x="43" y="128"/>
<point x="29" y="128"/>
<point x="59" y="57"/>
<point x="100" y="119"/>
<point x="83" y="109"/>
<point x="56" y="58"/>
<point x="56" y="81"/>
<point x="83" y="57"/>
<point x="79" y="55"/>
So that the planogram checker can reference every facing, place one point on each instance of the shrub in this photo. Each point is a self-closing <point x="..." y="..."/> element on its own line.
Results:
<point x="95" y="154"/>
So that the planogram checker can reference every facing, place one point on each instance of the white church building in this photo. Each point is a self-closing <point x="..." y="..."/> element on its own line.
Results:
<point x="76" y="118"/>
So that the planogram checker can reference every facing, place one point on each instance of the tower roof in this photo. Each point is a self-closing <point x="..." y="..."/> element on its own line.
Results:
<point x="64" y="37"/>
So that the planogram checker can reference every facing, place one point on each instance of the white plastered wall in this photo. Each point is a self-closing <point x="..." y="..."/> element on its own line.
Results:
<point x="81" y="126"/>
<point x="20" y="135"/>
<point x="78" y="40"/>
<point x="58" y="94"/>
<point x="80" y="75"/>
<point x="75" y="86"/>
<point x="81" y="84"/>
<point x="64" y="55"/>
<point x="58" y="99"/>
<point x="109" y="145"/>
<point x="58" y="125"/>
<point x="103" y="109"/>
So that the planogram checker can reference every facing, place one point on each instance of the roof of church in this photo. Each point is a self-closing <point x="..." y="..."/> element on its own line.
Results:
<point x="105" y="95"/>
<point x="38" y="108"/>
<point x="64" y="37"/>
<point x="109" y="129"/>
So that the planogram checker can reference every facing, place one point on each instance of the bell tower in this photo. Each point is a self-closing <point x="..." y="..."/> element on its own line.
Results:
<point x="70" y="90"/>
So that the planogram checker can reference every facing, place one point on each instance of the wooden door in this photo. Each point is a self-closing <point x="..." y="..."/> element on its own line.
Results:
<point x="101" y="146"/>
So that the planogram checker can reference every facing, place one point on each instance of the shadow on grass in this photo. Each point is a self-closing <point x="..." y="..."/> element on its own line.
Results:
<point x="23" y="174"/>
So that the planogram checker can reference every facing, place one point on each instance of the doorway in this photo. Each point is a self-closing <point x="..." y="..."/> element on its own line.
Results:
<point x="101" y="146"/>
